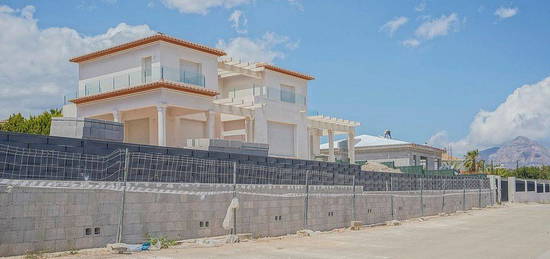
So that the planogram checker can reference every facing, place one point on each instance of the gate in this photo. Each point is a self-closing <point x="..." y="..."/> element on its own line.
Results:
<point x="504" y="190"/>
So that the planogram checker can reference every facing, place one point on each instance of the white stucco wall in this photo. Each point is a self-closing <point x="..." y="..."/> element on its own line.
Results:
<point x="171" y="54"/>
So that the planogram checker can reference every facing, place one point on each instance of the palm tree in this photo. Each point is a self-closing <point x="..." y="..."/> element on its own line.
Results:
<point x="481" y="165"/>
<point x="470" y="160"/>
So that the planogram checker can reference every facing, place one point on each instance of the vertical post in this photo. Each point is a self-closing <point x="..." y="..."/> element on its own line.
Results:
<point x="353" y="201"/>
<point x="422" y="196"/>
<point x="306" y="200"/>
<point x="351" y="146"/>
<point x="479" y="199"/>
<point x="161" y="125"/>
<point x="443" y="198"/>
<point x="464" y="194"/>
<point x="123" y="201"/>
<point x="331" y="157"/>
<point x="492" y="180"/>
<point x="392" y="209"/>
<point x="234" y="230"/>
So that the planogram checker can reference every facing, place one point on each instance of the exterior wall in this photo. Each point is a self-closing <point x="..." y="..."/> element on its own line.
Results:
<point x="55" y="216"/>
<point x="401" y="157"/>
<point x="170" y="56"/>
<point x="275" y="80"/>
<point x="239" y="87"/>
<point x="119" y="63"/>
<point x="273" y="110"/>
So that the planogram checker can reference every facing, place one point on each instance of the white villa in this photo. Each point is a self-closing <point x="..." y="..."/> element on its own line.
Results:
<point x="379" y="149"/>
<point x="167" y="91"/>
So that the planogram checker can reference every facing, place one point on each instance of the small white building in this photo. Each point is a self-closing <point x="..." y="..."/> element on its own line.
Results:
<point x="379" y="149"/>
<point x="167" y="91"/>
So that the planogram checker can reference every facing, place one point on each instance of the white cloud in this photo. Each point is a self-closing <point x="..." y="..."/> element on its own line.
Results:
<point x="439" y="139"/>
<point x="268" y="48"/>
<point x="239" y="21"/>
<point x="35" y="72"/>
<point x="526" y="112"/>
<point x="296" y="4"/>
<point x="506" y="12"/>
<point x="201" y="6"/>
<point x="6" y="9"/>
<point x="420" y="7"/>
<point x="437" y="26"/>
<point x="394" y="24"/>
<point x="411" y="43"/>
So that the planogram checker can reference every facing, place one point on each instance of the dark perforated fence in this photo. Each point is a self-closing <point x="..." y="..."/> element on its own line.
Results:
<point x="123" y="165"/>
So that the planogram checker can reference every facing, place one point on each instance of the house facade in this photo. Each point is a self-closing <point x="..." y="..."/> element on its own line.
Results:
<point x="379" y="149"/>
<point x="169" y="92"/>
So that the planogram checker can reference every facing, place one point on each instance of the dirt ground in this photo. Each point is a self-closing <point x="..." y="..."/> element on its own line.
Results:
<point x="519" y="231"/>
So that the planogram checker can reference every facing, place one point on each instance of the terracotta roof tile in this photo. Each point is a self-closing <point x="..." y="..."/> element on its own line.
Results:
<point x="285" y="71"/>
<point x="147" y="40"/>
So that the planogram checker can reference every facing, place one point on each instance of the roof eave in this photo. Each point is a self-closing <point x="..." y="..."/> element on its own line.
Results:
<point x="147" y="40"/>
<point x="146" y="87"/>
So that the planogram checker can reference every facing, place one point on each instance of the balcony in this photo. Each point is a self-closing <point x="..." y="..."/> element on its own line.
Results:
<point x="135" y="78"/>
<point x="269" y="93"/>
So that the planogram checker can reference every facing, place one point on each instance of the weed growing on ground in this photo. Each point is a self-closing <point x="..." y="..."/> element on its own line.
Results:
<point x="164" y="242"/>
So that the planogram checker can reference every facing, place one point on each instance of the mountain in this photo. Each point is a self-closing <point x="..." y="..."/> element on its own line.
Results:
<point x="484" y="154"/>
<point x="522" y="149"/>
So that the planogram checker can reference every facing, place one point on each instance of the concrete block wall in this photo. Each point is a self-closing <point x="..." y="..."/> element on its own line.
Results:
<point x="87" y="129"/>
<point x="55" y="219"/>
<point x="54" y="215"/>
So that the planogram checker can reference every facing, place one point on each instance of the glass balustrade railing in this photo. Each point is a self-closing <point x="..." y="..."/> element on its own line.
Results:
<point x="139" y="77"/>
<point x="270" y="93"/>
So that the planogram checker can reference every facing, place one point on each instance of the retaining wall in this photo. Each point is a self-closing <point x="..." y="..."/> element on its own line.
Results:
<point x="539" y="195"/>
<point x="56" y="215"/>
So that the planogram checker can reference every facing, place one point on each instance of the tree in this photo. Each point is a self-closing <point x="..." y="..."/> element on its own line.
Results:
<point x="34" y="124"/>
<point x="470" y="160"/>
<point x="472" y="163"/>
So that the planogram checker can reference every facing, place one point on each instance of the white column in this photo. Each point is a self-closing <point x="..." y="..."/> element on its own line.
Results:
<point x="218" y="126"/>
<point x="161" y="127"/>
<point x="315" y="143"/>
<point x="351" y="146"/>
<point x="331" y="157"/>
<point x="248" y="128"/>
<point x="260" y="127"/>
<point x="210" y="124"/>
<point x="116" y="116"/>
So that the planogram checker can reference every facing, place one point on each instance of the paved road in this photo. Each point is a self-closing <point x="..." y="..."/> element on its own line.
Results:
<point x="520" y="231"/>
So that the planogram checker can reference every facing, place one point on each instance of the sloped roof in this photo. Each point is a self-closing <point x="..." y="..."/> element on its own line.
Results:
<point x="285" y="71"/>
<point x="368" y="141"/>
<point x="147" y="40"/>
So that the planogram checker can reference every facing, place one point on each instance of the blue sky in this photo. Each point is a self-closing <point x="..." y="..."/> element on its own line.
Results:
<point x="463" y="57"/>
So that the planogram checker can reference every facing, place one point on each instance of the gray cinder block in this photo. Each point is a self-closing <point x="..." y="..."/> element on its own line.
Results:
<point x="87" y="129"/>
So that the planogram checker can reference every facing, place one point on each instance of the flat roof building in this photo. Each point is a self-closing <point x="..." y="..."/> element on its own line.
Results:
<point x="379" y="149"/>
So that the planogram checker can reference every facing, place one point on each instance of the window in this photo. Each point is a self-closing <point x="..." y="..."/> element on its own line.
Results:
<point x="288" y="94"/>
<point x="190" y="73"/>
<point x="146" y="69"/>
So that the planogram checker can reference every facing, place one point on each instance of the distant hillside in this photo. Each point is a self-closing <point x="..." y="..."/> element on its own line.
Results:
<point x="522" y="149"/>
<point x="484" y="154"/>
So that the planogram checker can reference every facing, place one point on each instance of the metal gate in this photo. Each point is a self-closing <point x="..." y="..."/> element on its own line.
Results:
<point x="504" y="190"/>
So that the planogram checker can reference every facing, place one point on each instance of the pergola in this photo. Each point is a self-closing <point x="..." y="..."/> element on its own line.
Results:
<point x="228" y="66"/>
<point x="321" y="125"/>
